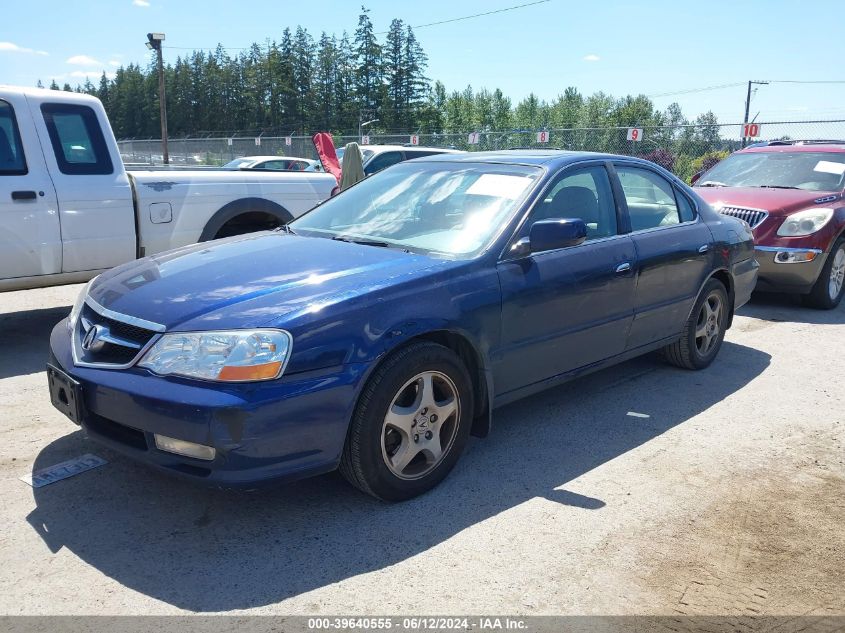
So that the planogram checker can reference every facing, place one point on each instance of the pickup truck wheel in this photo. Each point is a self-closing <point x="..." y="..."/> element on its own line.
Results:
<point x="704" y="330"/>
<point x="830" y="286"/>
<point x="411" y="423"/>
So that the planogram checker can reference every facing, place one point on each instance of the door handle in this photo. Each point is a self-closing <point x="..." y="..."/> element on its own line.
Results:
<point x="704" y="248"/>
<point x="24" y="195"/>
<point x="623" y="268"/>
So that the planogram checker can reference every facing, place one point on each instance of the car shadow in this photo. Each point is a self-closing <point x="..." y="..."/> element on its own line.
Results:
<point x="25" y="339"/>
<point x="212" y="551"/>
<point x="776" y="307"/>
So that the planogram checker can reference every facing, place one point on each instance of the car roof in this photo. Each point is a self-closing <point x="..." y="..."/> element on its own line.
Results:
<point x="834" y="147"/>
<point x="534" y="157"/>
<point x="257" y="158"/>
<point x="393" y="148"/>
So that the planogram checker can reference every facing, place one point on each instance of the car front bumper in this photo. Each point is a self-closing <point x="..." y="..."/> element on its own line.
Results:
<point x="796" y="277"/>
<point x="280" y="430"/>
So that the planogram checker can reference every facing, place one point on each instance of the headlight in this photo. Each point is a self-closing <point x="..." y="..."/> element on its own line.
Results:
<point x="77" y="306"/>
<point x="230" y="355"/>
<point x="805" y="222"/>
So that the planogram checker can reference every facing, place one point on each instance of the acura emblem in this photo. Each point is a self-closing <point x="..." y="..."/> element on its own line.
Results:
<point x="92" y="342"/>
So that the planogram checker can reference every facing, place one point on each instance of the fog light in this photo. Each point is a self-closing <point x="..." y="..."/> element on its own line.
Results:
<point x="181" y="447"/>
<point x="794" y="257"/>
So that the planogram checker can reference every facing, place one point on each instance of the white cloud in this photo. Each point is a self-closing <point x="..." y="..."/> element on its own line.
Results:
<point x="9" y="47"/>
<point x="591" y="58"/>
<point x="141" y="3"/>
<point x="114" y="62"/>
<point x="82" y="60"/>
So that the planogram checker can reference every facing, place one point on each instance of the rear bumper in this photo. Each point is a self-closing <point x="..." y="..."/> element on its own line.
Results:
<point x="791" y="277"/>
<point x="281" y="430"/>
<point x="744" y="275"/>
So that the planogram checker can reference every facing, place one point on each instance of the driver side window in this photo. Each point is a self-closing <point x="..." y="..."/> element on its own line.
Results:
<point x="582" y="193"/>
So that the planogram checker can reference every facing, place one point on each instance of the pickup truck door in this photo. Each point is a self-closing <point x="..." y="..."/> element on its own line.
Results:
<point x="96" y="208"/>
<point x="30" y="237"/>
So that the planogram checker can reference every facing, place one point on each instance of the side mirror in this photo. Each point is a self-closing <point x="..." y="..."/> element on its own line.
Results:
<point x="695" y="177"/>
<point x="548" y="235"/>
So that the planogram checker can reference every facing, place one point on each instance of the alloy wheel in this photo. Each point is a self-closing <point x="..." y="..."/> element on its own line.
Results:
<point x="709" y="323"/>
<point x="837" y="274"/>
<point x="420" y="425"/>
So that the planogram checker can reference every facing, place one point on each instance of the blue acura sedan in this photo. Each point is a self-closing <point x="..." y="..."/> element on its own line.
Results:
<point x="380" y="330"/>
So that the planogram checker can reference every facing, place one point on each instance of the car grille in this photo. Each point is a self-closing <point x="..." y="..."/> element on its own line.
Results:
<point x="754" y="217"/>
<point x="118" y="342"/>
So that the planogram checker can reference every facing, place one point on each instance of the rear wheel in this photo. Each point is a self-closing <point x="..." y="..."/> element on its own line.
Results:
<point x="411" y="423"/>
<point x="248" y="223"/>
<point x="704" y="330"/>
<point x="830" y="286"/>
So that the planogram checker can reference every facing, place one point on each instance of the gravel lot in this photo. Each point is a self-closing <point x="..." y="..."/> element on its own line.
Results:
<point x="729" y="498"/>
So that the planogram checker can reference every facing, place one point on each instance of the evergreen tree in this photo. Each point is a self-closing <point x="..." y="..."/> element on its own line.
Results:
<point x="368" y="58"/>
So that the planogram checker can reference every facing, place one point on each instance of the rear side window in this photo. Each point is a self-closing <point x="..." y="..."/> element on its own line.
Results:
<point x="12" y="161"/>
<point x="77" y="139"/>
<point x="685" y="207"/>
<point x="650" y="198"/>
<point x="382" y="161"/>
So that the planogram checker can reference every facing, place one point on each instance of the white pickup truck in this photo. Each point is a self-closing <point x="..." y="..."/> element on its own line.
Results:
<point x="69" y="209"/>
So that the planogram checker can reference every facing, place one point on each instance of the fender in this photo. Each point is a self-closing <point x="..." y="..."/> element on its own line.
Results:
<point x="437" y="331"/>
<point x="239" y="207"/>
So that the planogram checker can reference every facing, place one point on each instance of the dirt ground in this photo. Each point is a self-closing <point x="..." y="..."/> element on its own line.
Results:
<point x="724" y="494"/>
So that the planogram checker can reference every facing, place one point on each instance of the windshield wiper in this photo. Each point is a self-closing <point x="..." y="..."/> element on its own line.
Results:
<point x="285" y="228"/>
<point x="711" y="183"/>
<point x="777" y="187"/>
<point x="360" y="240"/>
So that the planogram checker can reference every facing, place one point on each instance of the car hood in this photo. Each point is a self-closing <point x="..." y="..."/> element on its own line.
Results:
<point x="252" y="280"/>
<point x="775" y="201"/>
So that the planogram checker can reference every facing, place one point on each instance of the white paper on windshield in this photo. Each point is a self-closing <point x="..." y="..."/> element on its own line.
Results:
<point x="829" y="167"/>
<point x="499" y="186"/>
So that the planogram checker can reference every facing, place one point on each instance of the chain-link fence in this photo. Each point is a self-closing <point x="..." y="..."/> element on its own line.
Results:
<point x="684" y="149"/>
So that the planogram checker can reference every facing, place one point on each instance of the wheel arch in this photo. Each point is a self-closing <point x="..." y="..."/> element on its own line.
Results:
<point x="242" y="207"/>
<point x="724" y="276"/>
<point x="470" y="354"/>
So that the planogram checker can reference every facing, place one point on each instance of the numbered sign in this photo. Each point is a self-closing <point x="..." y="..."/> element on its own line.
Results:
<point x="258" y="140"/>
<point x="635" y="134"/>
<point x="288" y="141"/>
<point x="229" y="143"/>
<point x="751" y="130"/>
<point x="415" y="140"/>
<point x="543" y="137"/>
<point x="474" y="138"/>
<point x="365" y="140"/>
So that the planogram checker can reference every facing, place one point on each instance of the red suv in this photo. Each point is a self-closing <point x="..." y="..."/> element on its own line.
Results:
<point x="791" y="193"/>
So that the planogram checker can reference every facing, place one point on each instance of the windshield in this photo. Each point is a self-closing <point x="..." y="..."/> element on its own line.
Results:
<point x="813" y="171"/>
<point x="448" y="208"/>
<point x="365" y="154"/>
<point x="238" y="163"/>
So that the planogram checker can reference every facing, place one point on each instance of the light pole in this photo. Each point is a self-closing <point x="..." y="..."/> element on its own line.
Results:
<point x="361" y="127"/>
<point x="154" y="41"/>
<point x="748" y="105"/>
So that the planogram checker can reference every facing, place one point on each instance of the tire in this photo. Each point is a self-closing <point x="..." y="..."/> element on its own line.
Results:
<point x="418" y="401"/>
<point x="704" y="331"/>
<point x="829" y="288"/>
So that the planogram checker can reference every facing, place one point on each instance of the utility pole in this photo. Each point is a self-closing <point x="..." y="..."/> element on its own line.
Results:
<point x="154" y="41"/>
<point x="748" y="106"/>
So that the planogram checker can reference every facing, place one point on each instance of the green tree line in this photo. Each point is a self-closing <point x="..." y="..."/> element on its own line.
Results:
<point x="300" y="85"/>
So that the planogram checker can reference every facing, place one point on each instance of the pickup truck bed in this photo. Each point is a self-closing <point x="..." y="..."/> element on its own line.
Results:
<point x="69" y="209"/>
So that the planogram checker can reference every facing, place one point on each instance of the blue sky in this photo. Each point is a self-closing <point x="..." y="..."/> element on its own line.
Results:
<point x="650" y="47"/>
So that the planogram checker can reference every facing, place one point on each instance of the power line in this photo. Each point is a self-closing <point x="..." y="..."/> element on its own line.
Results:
<point x="694" y="90"/>
<point x="474" y="15"/>
<point x="418" y="26"/>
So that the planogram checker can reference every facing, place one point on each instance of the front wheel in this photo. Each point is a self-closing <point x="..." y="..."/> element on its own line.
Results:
<point x="411" y="423"/>
<point x="704" y="330"/>
<point x="830" y="286"/>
